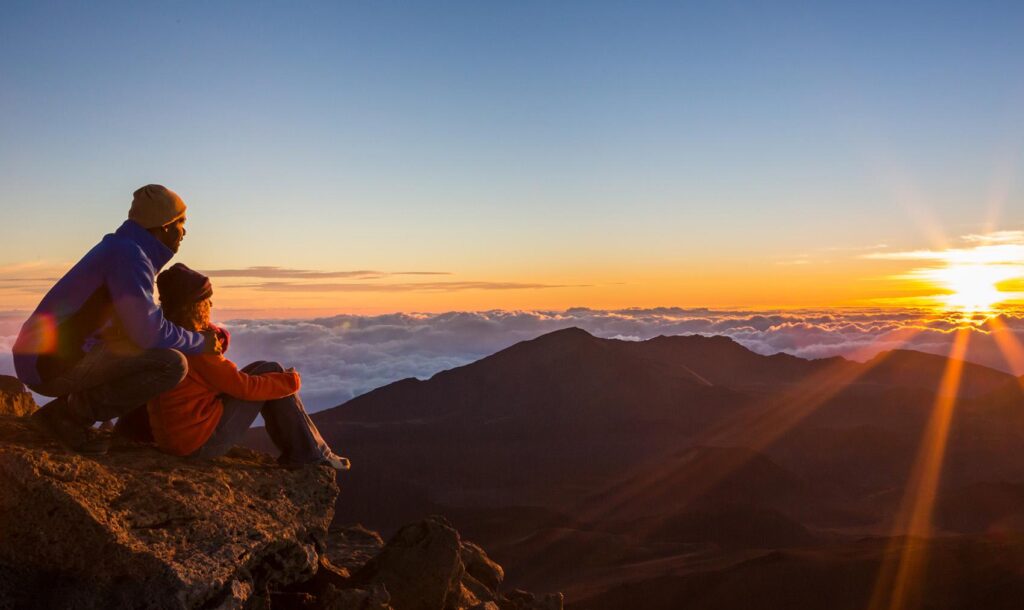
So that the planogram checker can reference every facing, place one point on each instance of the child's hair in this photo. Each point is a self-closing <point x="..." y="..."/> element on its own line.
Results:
<point x="190" y="316"/>
<point x="185" y="297"/>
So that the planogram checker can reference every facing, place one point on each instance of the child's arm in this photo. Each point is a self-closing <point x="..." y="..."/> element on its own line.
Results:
<point x="224" y="376"/>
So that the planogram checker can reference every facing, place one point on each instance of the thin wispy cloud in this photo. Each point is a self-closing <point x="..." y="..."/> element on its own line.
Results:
<point x="28" y="279"/>
<point x="308" y="274"/>
<point x="824" y="256"/>
<point x="994" y="254"/>
<point x="31" y="288"/>
<point x="996" y="237"/>
<point x="18" y="283"/>
<point x="31" y="277"/>
<point x="998" y="248"/>
<point x="33" y="267"/>
<point x="400" y="287"/>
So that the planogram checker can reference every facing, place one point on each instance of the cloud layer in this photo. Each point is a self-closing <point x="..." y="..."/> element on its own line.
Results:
<point x="347" y="355"/>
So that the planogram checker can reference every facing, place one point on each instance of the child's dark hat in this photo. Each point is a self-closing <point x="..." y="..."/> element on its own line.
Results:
<point x="180" y="285"/>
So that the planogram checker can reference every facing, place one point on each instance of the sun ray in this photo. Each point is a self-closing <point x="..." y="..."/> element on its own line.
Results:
<point x="898" y="584"/>
<point x="1008" y="344"/>
<point x="1000" y="188"/>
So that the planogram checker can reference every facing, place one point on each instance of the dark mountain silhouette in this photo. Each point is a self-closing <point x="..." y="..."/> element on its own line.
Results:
<point x="587" y="464"/>
<point x="562" y="378"/>
<point x="908" y="368"/>
<point x="722" y="361"/>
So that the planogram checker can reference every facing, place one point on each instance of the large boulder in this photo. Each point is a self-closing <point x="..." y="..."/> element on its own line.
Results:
<point x="14" y="398"/>
<point x="427" y="566"/>
<point x="139" y="529"/>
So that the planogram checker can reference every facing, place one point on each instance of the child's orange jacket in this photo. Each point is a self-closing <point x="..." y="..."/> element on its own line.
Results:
<point x="184" y="418"/>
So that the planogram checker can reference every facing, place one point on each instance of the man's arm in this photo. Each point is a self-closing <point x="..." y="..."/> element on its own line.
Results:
<point x="130" y="281"/>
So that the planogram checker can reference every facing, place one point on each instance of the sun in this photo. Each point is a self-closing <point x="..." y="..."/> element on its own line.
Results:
<point x="972" y="287"/>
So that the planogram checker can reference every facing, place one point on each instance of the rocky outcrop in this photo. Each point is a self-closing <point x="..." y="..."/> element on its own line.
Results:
<point x="425" y="566"/>
<point x="140" y="529"/>
<point x="14" y="398"/>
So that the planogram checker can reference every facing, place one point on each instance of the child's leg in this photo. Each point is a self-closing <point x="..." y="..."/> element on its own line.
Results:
<point x="293" y="432"/>
<point x="290" y="428"/>
<point x="236" y="420"/>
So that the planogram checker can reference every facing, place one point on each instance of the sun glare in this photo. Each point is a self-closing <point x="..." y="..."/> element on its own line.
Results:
<point x="972" y="278"/>
<point x="973" y="287"/>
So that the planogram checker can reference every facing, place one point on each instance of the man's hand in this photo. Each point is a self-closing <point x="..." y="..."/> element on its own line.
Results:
<point x="211" y="345"/>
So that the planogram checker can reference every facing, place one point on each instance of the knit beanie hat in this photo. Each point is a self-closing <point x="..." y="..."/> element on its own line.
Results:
<point x="155" y="206"/>
<point x="180" y="285"/>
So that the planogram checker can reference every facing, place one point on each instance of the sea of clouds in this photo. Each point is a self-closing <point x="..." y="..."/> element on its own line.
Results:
<point x="347" y="355"/>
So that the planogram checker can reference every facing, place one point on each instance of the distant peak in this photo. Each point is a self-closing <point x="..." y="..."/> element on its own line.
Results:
<point x="695" y="338"/>
<point x="906" y="355"/>
<point x="572" y="337"/>
<point x="572" y="331"/>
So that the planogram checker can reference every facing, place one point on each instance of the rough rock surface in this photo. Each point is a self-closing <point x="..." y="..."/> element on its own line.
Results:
<point x="139" y="529"/>
<point x="427" y="566"/>
<point x="352" y="546"/>
<point x="14" y="398"/>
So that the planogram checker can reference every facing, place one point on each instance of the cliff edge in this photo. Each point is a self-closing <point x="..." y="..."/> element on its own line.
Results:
<point x="140" y="529"/>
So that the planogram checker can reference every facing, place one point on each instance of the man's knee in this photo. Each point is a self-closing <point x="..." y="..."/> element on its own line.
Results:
<point x="171" y="363"/>
<point x="263" y="366"/>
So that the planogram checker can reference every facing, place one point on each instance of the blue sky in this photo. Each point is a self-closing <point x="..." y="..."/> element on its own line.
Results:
<point x="567" y="144"/>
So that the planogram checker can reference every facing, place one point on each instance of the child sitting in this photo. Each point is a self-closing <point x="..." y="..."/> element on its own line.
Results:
<point x="210" y="410"/>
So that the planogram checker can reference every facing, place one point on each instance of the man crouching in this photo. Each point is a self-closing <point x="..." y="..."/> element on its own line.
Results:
<point x="98" y="342"/>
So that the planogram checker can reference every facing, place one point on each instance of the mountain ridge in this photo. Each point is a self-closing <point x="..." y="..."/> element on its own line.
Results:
<point x="670" y="453"/>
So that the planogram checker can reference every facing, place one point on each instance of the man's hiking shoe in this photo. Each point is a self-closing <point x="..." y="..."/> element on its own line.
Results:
<point x="53" y="420"/>
<point x="336" y="461"/>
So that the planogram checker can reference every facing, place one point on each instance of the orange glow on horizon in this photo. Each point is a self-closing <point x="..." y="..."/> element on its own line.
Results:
<point x="974" y="278"/>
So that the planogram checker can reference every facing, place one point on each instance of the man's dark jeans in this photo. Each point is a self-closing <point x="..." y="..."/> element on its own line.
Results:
<point x="113" y="379"/>
<point x="288" y="425"/>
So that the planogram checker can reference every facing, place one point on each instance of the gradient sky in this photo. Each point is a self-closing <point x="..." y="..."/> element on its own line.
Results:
<point x="530" y="154"/>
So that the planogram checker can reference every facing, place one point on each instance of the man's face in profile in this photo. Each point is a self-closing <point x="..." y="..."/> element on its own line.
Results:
<point x="172" y="234"/>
